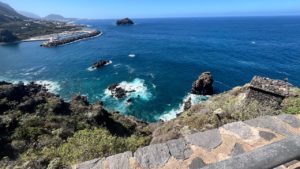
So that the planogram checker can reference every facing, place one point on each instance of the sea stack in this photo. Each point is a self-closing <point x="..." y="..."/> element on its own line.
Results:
<point x="204" y="84"/>
<point x="125" y="21"/>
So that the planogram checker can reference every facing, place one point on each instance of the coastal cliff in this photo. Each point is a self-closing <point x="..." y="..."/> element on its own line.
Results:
<point x="40" y="130"/>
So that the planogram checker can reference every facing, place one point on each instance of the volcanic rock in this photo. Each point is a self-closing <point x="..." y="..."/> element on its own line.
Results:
<point x="204" y="84"/>
<point x="100" y="64"/>
<point x="125" y="21"/>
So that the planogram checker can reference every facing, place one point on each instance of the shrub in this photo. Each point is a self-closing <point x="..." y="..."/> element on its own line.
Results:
<point x="292" y="106"/>
<point x="89" y="144"/>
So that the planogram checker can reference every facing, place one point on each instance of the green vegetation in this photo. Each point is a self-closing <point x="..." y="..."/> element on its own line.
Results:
<point x="291" y="105"/>
<point x="95" y="143"/>
<point x="39" y="129"/>
<point x="221" y="109"/>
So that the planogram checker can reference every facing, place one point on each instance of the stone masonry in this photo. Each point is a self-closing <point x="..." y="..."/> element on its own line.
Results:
<point x="268" y="91"/>
<point x="205" y="148"/>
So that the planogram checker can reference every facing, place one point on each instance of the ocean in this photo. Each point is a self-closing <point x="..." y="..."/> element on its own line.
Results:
<point x="160" y="59"/>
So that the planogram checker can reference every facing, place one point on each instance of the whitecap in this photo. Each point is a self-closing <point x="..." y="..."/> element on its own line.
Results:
<point x="131" y="55"/>
<point x="152" y="75"/>
<point x="130" y="69"/>
<point x="154" y="86"/>
<point x="117" y="65"/>
<point x="33" y="71"/>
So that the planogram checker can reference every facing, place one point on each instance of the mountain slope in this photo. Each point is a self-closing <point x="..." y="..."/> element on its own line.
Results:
<point x="14" y="26"/>
<point x="8" y="14"/>
<point x="54" y="17"/>
<point x="29" y="14"/>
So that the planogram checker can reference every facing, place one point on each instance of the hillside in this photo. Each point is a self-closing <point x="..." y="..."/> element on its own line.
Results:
<point x="29" y="14"/>
<point x="8" y="14"/>
<point x="22" y="27"/>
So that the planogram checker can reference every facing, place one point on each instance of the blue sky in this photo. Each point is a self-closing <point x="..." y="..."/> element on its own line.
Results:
<point x="102" y="9"/>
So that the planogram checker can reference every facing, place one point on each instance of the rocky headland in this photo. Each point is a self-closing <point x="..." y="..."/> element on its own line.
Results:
<point x="40" y="130"/>
<point x="125" y="21"/>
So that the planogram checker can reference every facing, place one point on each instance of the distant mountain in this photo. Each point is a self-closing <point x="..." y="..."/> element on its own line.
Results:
<point x="56" y="17"/>
<point x="8" y="14"/>
<point x="29" y="15"/>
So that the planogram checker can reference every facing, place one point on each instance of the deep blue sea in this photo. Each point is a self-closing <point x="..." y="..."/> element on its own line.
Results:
<point x="167" y="55"/>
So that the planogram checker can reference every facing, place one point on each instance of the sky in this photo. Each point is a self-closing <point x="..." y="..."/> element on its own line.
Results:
<point x="111" y="9"/>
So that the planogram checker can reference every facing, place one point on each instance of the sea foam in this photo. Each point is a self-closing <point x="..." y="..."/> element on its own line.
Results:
<point x="51" y="86"/>
<point x="139" y="92"/>
<point x="172" y="114"/>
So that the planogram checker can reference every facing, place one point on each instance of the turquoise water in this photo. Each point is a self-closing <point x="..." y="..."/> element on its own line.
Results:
<point x="167" y="55"/>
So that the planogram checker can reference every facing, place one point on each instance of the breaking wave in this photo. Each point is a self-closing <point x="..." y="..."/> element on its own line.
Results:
<point x="172" y="114"/>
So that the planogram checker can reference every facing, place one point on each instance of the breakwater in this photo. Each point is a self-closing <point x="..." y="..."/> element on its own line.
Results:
<point x="62" y="41"/>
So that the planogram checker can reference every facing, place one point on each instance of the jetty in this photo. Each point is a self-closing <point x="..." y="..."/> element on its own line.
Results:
<point x="70" y="37"/>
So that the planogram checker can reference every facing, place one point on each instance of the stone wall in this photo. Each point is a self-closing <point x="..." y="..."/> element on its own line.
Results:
<point x="268" y="92"/>
<point x="204" y="148"/>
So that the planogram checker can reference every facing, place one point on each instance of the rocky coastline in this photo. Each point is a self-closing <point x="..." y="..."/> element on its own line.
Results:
<point x="58" y="42"/>
<point x="39" y="129"/>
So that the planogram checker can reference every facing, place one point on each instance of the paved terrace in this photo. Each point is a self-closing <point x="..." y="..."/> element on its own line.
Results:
<point x="264" y="142"/>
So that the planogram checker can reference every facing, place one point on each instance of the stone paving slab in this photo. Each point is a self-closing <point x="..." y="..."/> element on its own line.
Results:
<point x="209" y="139"/>
<point x="290" y="119"/>
<point x="247" y="137"/>
<point x="239" y="128"/>
<point x="179" y="149"/>
<point x="270" y="123"/>
<point x="92" y="164"/>
<point x="266" y="157"/>
<point x="152" y="156"/>
<point x="120" y="161"/>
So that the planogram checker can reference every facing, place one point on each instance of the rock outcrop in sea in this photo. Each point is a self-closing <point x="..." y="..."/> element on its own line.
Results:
<point x="125" y="21"/>
<point x="100" y="64"/>
<point x="204" y="84"/>
<point x="119" y="92"/>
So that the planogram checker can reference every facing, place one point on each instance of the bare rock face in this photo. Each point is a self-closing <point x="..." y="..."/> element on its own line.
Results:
<point x="203" y="85"/>
<point x="125" y="21"/>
